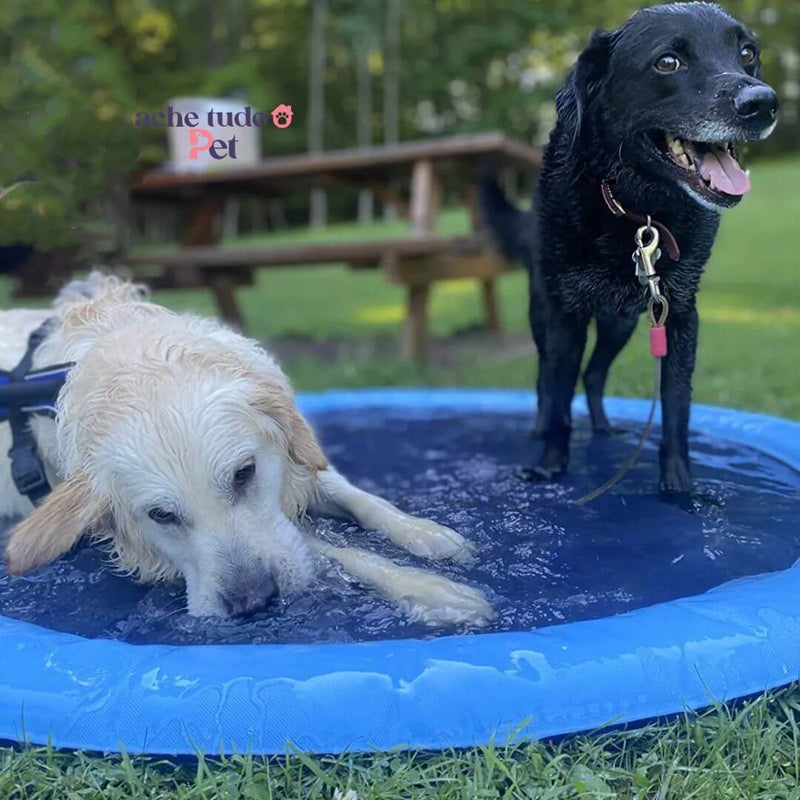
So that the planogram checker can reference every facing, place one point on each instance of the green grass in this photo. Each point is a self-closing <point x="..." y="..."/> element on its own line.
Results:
<point x="750" y="311"/>
<point x="749" y="752"/>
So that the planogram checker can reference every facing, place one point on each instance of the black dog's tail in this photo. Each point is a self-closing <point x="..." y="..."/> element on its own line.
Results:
<point x="513" y="231"/>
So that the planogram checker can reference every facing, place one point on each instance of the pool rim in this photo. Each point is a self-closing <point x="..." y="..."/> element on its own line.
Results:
<point x="737" y="639"/>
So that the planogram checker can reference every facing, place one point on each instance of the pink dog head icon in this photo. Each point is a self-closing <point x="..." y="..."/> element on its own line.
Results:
<point x="282" y="116"/>
<point x="194" y="139"/>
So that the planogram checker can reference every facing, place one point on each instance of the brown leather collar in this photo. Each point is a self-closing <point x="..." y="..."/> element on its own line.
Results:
<point x="616" y="208"/>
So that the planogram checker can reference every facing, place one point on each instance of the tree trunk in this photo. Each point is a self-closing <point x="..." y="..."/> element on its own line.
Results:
<point x="391" y="84"/>
<point x="316" y="101"/>
<point x="364" y="123"/>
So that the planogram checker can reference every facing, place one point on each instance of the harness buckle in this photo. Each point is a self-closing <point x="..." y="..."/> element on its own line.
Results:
<point x="27" y="471"/>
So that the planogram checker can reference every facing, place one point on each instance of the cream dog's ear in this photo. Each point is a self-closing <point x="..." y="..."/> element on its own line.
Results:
<point x="54" y="527"/>
<point x="304" y="448"/>
<point x="277" y="402"/>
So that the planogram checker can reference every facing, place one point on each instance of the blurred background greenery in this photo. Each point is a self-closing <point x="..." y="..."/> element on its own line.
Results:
<point x="72" y="76"/>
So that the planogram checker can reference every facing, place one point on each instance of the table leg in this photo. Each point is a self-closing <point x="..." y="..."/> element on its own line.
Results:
<point x="202" y="229"/>
<point x="224" y="291"/>
<point x="415" y="343"/>
<point x="424" y="198"/>
<point x="472" y="204"/>
<point x="491" y="305"/>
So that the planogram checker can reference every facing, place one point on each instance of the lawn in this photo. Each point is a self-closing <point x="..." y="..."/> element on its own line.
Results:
<point x="339" y="328"/>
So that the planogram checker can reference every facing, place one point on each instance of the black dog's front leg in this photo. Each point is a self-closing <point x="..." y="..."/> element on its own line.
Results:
<point x="558" y="373"/>
<point x="613" y="333"/>
<point x="676" y="398"/>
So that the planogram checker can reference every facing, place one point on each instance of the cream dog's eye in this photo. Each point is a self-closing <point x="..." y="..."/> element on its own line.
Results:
<point x="243" y="476"/>
<point x="162" y="517"/>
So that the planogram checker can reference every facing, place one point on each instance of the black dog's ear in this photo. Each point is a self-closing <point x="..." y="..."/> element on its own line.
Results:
<point x="583" y="82"/>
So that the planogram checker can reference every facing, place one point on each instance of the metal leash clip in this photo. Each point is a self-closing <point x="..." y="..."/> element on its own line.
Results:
<point x="645" y="256"/>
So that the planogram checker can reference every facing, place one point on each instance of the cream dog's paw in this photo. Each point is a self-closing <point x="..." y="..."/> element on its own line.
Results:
<point x="439" y="542"/>
<point x="426" y="538"/>
<point x="424" y="596"/>
<point x="444" y="602"/>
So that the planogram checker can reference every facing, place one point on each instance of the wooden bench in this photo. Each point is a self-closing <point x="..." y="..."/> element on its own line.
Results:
<point x="415" y="263"/>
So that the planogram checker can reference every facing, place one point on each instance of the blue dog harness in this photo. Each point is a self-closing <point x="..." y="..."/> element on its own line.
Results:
<point x="24" y="392"/>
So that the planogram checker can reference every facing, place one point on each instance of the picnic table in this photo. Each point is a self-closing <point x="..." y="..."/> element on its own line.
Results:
<point x="415" y="261"/>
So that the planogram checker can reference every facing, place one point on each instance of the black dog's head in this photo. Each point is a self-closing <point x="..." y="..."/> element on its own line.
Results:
<point x="669" y="94"/>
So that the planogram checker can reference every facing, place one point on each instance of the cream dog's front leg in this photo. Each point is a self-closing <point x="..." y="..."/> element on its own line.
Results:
<point x="422" y="537"/>
<point x="424" y="596"/>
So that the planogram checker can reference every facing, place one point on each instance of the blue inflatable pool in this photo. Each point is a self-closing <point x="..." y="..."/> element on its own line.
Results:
<point x="628" y="609"/>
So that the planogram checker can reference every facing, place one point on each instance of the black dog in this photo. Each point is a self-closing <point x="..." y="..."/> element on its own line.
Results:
<point x="653" y="111"/>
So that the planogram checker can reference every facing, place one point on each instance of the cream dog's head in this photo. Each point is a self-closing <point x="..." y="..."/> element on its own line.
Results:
<point x="182" y="447"/>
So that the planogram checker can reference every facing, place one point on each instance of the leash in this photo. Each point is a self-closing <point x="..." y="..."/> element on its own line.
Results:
<point x="634" y="456"/>
<point x="645" y="257"/>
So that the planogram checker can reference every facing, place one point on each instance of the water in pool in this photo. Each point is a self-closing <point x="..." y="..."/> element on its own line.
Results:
<point x="542" y="560"/>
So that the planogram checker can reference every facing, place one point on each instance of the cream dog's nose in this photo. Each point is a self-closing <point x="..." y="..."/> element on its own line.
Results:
<point x="250" y="596"/>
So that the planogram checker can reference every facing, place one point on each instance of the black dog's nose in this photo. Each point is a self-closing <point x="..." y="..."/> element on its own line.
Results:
<point x="756" y="103"/>
<point x="248" y="597"/>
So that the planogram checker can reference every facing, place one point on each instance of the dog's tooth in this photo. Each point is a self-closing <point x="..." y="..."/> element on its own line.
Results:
<point x="676" y="147"/>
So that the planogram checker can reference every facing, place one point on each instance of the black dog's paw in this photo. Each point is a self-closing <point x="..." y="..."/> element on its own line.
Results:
<point x="675" y="477"/>
<point x="609" y="430"/>
<point x="551" y="466"/>
<point x="540" y="474"/>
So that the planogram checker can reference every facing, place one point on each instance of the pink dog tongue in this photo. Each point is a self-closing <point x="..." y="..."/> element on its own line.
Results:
<point x="723" y="172"/>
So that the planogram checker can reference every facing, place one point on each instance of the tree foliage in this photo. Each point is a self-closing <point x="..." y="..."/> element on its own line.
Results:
<point x="72" y="76"/>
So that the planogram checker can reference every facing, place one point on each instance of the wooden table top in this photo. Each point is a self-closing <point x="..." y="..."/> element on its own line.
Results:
<point x="285" y="174"/>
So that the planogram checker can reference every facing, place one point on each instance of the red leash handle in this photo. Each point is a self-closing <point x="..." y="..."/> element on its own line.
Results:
<point x="658" y="341"/>
<point x="658" y="333"/>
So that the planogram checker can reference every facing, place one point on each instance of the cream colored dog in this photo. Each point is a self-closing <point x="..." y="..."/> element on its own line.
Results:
<point x="178" y="442"/>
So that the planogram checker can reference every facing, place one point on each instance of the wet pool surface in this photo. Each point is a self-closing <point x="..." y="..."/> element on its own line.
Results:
<point x="542" y="560"/>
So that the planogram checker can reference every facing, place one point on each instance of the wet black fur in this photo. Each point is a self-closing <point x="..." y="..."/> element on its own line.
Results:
<point x="579" y="255"/>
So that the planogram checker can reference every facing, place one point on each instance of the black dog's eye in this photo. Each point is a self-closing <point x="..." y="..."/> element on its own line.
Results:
<point x="669" y="62"/>
<point x="162" y="517"/>
<point x="243" y="476"/>
<point x="747" y="55"/>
